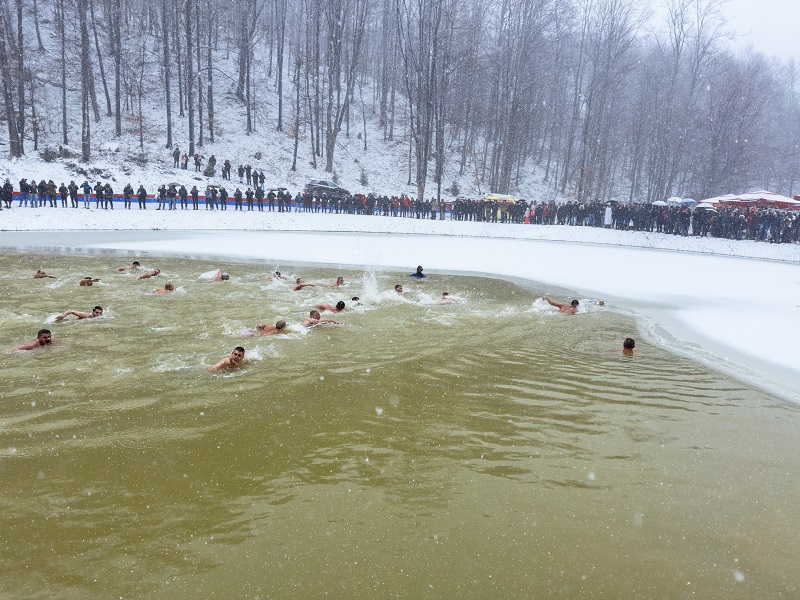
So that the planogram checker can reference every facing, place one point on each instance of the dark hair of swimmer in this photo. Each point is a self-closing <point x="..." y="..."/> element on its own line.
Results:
<point x="98" y="308"/>
<point x="136" y="263"/>
<point x="169" y="286"/>
<point x="314" y="314"/>
<point x="355" y="298"/>
<point x="239" y="348"/>
<point x="278" y="273"/>
<point x="629" y="343"/>
<point x="445" y="294"/>
<point x="280" y="325"/>
<point x="340" y="305"/>
<point x="42" y="331"/>
<point x="574" y="303"/>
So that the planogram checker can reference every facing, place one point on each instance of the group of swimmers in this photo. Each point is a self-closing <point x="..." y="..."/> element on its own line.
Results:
<point x="44" y="337"/>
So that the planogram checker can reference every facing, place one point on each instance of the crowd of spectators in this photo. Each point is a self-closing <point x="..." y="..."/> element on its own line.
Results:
<point x="742" y="223"/>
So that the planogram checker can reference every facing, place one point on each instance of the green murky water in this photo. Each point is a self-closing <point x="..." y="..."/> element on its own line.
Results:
<point x="484" y="449"/>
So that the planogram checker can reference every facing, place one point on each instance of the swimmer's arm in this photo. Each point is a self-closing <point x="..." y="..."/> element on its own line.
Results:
<point x="66" y="313"/>
<point x="31" y="346"/>
<point x="223" y="364"/>
<point x="551" y="303"/>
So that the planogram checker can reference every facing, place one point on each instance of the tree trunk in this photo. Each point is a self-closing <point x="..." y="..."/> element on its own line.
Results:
<point x="167" y="78"/>
<point x="36" y="25"/>
<point x="189" y="72"/>
<point x="210" y="94"/>
<point x="298" y="64"/>
<point x="20" y="80"/>
<point x="280" y="14"/>
<point x="116" y="37"/>
<point x="86" y="71"/>
<point x="8" y="97"/>
<point x="100" y="60"/>
<point x="199" y="80"/>
<point x="62" y="31"/>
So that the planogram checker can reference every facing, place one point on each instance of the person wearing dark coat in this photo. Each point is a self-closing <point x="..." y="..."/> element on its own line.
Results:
<point x="141" y="195"/>
<point x="127" y="194"/>
<point x="108" y="193"/>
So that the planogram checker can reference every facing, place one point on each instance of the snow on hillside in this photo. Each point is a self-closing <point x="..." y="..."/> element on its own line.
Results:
<point x="385" y="163"/>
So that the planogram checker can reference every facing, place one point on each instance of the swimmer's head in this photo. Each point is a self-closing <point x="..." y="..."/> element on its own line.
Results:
<point x="445" y="294"/>
<point x="419" y="268"/>
<point x="97" y="311"/>
<point x="629" y="344"/>
<point x="44" y="336"/>
<point x="237" y="355"/>
<point x="225" y="277"/>
<point x="277" y="273"/>
<point x="299" y="280"/>
<point x="136" y="263"/>
<point x="339" y="280"/>
<point x="169" y="287"/>
<point x="280" y="325"/>
<point x="340" y="305"/>
<point x="355" y="299"/>
<point x="574" y="303"/>
<point x="398" y="288"/>
<point x="314" y="314"/>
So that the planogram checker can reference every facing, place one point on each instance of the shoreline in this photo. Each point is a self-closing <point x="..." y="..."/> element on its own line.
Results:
<point x="707" y="306"/>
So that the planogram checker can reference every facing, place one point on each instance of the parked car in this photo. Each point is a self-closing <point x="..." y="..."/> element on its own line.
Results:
<point x="321" y="186"/>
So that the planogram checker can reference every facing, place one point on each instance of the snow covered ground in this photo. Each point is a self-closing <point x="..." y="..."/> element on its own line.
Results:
<point x="731" y="304"/>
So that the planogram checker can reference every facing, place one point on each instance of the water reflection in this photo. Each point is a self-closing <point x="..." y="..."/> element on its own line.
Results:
<point x="483" y="449"/>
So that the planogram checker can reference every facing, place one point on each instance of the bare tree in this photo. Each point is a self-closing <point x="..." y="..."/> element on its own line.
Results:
<point x="15" y="145"/>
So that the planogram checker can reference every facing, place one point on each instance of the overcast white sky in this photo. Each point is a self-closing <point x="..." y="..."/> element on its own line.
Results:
<point x="770" y="26"/>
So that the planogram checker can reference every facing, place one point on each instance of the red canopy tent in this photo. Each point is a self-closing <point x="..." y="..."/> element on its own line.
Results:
<point x="760" y="199"/>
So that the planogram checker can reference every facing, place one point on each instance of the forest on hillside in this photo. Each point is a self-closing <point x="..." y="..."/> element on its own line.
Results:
<point x="599" y="97"/>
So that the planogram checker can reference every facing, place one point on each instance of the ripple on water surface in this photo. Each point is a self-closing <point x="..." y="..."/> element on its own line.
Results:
<point x="487" y="448"/>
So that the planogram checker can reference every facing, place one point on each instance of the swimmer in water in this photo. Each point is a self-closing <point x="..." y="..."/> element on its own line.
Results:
<point x="155" y="273"/>
<point x="133" y="267"/>
<point x="270" y="329"/>
<point x="235" y="359"/>
<point x="445" y="299"/>
<point x="315" y="319"/>
<point x="627" y="346"/>
<point x="222" y="276"/>
<point x="40" y="274"/>
<point x="43" y="338"/>
<point x="168" y="287"/>
<point x="88" y="281"/>
<point x="275" y="275"/>
<point x="97" y="311"/>
<point x="331" y="308"/>
<point x="418" y="273"/>
<point x="398" y="288"/>
<point x="300" y="284"/>
<point x="564" y="309"/>
<point x="339" y="281"/>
